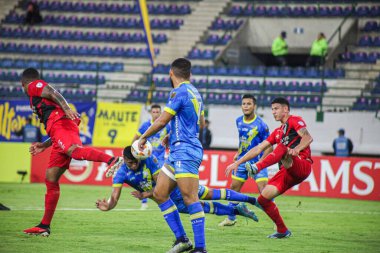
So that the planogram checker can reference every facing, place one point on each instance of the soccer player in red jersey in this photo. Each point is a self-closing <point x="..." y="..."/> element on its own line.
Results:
<point x="293" y="151"/>
<point x="61" y="124"/>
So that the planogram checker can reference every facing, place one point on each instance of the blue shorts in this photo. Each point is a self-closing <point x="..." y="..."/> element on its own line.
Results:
<point x="184" y="166"/>
<point x="242" y="175"/>
<point x="176" y="197"/>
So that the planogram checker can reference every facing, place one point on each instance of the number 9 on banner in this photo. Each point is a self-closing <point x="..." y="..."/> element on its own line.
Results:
<point x="112" y="134"/>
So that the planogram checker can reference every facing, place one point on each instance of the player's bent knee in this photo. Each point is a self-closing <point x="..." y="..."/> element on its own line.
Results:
<point x="71" y="149"/>
<point x="159" y="197"/>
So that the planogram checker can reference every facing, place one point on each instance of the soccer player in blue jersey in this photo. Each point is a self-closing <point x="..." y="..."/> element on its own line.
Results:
<point x="252" y="131"/>
<point x="142" y="176"/>
<point x="156" y="140"/>
<point x="184" y="111"/>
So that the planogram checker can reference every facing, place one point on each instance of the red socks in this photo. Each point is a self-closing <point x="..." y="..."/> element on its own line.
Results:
<point x="273" y="157"/>
<point x="90" y="154"/>
<point x="271" y="210"/>
<point x="51" y="200"/>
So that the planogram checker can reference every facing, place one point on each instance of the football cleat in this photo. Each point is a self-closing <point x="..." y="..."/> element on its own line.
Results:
<point x="244" y="211"/>
<point x="181" y="245"/>
<point x="278" y="235"/>
<point x="38" y="231"/>
<point x="227" y="222"/>
<point x="198" y="251"/>
<point x="251" y="168"/>
<point x="113" y="166"/>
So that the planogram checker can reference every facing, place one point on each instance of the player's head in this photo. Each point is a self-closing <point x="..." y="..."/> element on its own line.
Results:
<point x="248" y="104"/>
<point x="341" y="132"/>
<point x="280" y="108"/>
<point x="29" y="75"/>
<point x="180" y="70"/>
<point x="283" y="34"/>
<point x="155" y="111"/>
<point x="129" y="159"/>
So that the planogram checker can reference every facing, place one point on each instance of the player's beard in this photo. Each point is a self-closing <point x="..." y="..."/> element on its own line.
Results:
<point x="171" y="82"/>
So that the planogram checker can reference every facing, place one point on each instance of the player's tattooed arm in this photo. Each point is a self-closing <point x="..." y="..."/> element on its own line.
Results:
<point x="306" y="140"/>
<point x="50" y="93"/>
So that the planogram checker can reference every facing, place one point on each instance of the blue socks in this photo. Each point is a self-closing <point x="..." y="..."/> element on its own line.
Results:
<point x="197" y="217"/>
<point x="144" y="201"/>
<point x="232" y="195"/>
<point x="171" y="215"/>
<point x="218" y="208"/>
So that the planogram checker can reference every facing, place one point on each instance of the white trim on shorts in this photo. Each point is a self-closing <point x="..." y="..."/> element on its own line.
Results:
<point x="168" y="173"/>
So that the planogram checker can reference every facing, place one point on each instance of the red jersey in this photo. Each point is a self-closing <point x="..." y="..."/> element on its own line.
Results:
<point x="287" y="134"/>
<point x="47" y="111"/>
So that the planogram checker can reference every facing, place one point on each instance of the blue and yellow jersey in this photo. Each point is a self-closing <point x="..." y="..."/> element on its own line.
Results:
<point x="141" y="179"/>
<point x="251" y="133"/>
<point x="156" y="139"/>
<point x="186" y="105"/>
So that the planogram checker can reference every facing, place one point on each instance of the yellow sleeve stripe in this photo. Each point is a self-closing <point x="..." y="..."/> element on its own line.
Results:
<point x="182" y="175"/>
<point x="158" y="171"/>
<point x="169" y="210"/>
<point x="205" y="193"/>
<point x="138" y="133"/>
<point x="223" y="194"/>
<point x="197" y="215"/>
<point x="117" y="185"/>
<point x="203" y="113"/>
<point x="211" y="207"/>
<point x="263" y="179"/>
<point x="170" y="111"/>
<point x="238" y="178"/>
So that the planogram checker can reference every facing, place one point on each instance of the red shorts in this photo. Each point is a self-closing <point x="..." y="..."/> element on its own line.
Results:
<point x="64" y="133"/>
<point x="287" y="178"/>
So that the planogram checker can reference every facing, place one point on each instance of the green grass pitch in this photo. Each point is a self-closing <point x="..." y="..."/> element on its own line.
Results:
<point x="318" y="225"/>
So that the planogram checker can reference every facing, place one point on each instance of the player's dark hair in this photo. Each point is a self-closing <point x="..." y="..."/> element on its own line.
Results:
<point x="281" y="101"/>
<point x="127" y="152"/>
<point x="181" y="68"/>
<point x="250" y="97"/>
<point x="155" y="106"/>
<point x="30" y="74"/>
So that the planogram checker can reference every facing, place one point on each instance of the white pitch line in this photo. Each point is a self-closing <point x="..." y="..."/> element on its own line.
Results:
<point x="151" y="210"/>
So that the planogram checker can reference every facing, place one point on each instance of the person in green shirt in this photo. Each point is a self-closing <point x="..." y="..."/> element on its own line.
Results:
<point x="318" y="51"/>
<point x="280" y="49"/>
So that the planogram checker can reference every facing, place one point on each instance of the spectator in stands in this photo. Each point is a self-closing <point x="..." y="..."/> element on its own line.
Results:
<point x="29" y="132"/>
<point x="205" y="135"/>
<point x="342" y="145"/>
<point x="318" y="51"/>
<point x="32" y="15"/>
<point x="280" y="49"/>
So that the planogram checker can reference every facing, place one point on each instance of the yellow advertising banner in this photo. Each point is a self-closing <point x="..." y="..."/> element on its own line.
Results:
<point x="115" y="124"/>
<point x="15" y="162"/>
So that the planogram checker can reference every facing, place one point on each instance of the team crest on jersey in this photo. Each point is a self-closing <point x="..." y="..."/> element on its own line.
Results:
<point x="39" y="85"/>
<point x="173" y="94"/>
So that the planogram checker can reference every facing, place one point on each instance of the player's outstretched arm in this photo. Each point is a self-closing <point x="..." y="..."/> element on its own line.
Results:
<point x="106" y="205"/>
<point x="306" y="140"/>
<point x="50" y="93"/>
<point x="158" y="124"/>
<point x="248" y="156"/>
<point x="39" y="147"/>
